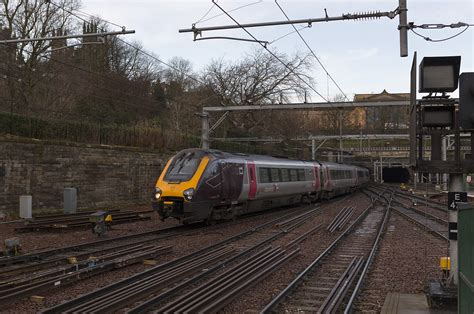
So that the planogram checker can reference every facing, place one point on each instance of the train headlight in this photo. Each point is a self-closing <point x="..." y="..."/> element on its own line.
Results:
<point x="188" y="194"/>
<point x="158" y="193"/>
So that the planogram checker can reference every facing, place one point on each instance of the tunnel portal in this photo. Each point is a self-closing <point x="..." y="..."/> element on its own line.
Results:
<point x="395" y="175"/>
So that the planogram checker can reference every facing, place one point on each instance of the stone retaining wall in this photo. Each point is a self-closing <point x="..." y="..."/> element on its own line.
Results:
<point x="103" y="175"/>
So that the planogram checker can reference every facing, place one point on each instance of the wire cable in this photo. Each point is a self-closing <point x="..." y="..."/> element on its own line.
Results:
<point x="312" y="52"/>
<point x="206" y="14"/>
<point x="288" y="34"/>
<point x="271" y="52"/>
<point x="232" y="10"/>
<point x="440" y="40"/>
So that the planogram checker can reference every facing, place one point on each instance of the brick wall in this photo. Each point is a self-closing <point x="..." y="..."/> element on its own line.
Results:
<point x="103" y="175"/>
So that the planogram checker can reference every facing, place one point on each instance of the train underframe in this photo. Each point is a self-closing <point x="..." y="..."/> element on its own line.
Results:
<point x="210" y="212"/>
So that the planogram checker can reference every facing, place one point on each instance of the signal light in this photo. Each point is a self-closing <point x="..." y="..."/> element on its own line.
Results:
<point x="439" y="74"/>
<point x="466" y="100"/>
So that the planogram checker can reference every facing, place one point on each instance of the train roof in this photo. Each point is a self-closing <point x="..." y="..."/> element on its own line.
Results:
<point x="255" y="157"/>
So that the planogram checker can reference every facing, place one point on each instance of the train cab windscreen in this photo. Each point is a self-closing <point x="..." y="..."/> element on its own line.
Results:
<point x="183" y="167"/>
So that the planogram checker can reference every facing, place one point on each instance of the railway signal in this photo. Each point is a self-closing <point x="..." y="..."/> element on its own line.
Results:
<point x="436" y="116"/>
<point x="466" y="101"/>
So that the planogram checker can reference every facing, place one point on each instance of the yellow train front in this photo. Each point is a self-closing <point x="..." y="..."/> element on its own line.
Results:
<point x="175" y="190"/>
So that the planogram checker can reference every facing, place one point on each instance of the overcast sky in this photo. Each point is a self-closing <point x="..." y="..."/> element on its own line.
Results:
<point x="362" y="56"/>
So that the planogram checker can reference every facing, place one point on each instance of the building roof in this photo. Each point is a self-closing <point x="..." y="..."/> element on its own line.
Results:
<point x="383" y="96"/>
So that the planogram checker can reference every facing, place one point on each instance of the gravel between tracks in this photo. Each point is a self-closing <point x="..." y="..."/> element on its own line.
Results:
<point x="407" y="257"/>
<point x="35" y="241"/>
<point x="260" y="295"/>
<point x="182" y="245"/>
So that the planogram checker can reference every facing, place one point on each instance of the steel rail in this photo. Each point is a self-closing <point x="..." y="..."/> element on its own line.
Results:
<point x="369" y="261"/>
<point x="144" y="275"/>
<point x="302" y="237"/>
<point x="190" y="300"/>
<point x="337" y="294"/>
<point x="35" y="256"/>
<point x="59" y="260"/>
<point x="433" y="204"/>
<point x="421" y="224"/>
<point x="421" y="212"/>
<point x="11" y="295"/>
<point x="28" y="278"/>
<point x="49" y="252"/>
<point x="163" y="296"/>
<point x="418" y="218"/>
<point x="115" y="300"/>
<point x="218" y="304"/>
<point x="298" y="280"/>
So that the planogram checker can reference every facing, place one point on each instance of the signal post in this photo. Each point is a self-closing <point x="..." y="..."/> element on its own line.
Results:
<point x="435" y="117"/>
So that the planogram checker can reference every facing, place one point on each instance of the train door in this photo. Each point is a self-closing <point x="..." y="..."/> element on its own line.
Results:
<point x="225" y="182"/>
<point x="317" y="179"/>
<point x="232" y="180"/>
<point x="252" y="180"/>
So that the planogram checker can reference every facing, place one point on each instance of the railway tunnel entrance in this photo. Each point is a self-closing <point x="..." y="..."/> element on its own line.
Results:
<point x="395" y="175"/>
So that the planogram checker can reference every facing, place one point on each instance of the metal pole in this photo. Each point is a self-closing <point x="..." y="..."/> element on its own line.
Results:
<point x="22" y="40"/>
<point x="455" y="185"/>
<point x="340" y="135"/>
<point x="381" y="170"/>
<point x="313" y="149"/>
<point x="205" y="142"/>
<point x="403" y="27"/>
<point x="444" y="148"/>
<point x="376" y="176"/>
<point x="348" y="16"/>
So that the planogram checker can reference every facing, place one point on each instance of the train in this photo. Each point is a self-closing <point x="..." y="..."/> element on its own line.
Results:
<point x="210" y="185"/>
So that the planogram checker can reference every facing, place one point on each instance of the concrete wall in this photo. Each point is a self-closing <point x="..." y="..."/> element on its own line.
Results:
<point x="103" y="175"/>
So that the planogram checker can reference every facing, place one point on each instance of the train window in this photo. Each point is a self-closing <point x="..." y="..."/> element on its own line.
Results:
<point x="285" y="176"/>
<point x="275" y="175"/>
<point x="212" y="170"/>
<point x="264" y="175"/>
<point x="301" y="176"/>
<point x="183" y="167"/>
<point x="293" y="175"/>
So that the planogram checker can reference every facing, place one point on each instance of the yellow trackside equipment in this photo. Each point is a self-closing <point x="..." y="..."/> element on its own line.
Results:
<point x="445" y="263"/>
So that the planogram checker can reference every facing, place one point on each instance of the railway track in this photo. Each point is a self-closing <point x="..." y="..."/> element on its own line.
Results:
<point x="53" y="269"/>
<point x="79" y="220"/>
<point x="165" y="280"/>
<point x="440" y="206"/>
<point x="327" y="282"/>
<point x="45" y="256"/>
<point x="428" y="221"/>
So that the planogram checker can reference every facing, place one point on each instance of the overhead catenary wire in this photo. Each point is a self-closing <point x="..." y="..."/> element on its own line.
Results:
<point x="288" y="34"/>
<point x="312" y="52"/>
<point x="442" y="39"/>
<point x="221" y="14"/>
<point x="271" y="52"/>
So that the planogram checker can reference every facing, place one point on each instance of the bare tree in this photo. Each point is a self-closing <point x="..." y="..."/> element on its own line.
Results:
<point x="257" y="79"/>
<point x="31" y="19"/>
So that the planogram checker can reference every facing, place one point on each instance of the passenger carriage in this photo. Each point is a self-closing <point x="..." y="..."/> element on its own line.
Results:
<point x="209" y="185"/>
